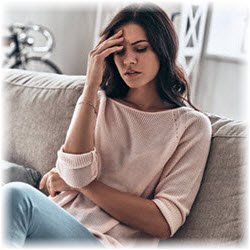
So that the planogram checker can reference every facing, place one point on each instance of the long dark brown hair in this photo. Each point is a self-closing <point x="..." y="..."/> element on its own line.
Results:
<point x="172" y="84"/>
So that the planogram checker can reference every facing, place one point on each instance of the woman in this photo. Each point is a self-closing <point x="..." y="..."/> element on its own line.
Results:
<point x="135" y="151"/>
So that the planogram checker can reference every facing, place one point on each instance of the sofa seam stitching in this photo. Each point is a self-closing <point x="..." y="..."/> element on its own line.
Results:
<point x="36" y="87"/>
<point x="230" y="136"/>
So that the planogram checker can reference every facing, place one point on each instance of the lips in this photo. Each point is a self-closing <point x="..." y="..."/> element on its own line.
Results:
<point x="132" y="72"/>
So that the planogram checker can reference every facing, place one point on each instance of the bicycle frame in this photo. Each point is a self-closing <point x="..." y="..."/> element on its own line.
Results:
<point x="22" y="41"/>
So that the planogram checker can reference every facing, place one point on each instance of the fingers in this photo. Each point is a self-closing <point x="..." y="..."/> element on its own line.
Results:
<point x="111" y="50"/>
<point x="104" y="37"/>
<point x="116" y="35"/>
<point x="43" y="181"/>
<point x="46" y="180"/>
<point x="108" y="44"/>
<point x="55" y="184"/>
<point x="52" y="192"/>
<point x="45" y="177"/>
<point x="116" y="39"/>
<point x="51" y="185"/>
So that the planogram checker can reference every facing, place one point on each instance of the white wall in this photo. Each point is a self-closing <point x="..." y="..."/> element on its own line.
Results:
<point x="222" y="88"/>
<point x="72" y="28"/>
<point x="223" y="78"/>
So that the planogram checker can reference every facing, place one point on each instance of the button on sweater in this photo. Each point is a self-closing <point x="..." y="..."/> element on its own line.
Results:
<point x="155" y="155"/>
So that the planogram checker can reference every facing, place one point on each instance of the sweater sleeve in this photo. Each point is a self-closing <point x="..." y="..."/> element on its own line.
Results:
<point x="77" y="170"/>
<point x="182" y="174"/>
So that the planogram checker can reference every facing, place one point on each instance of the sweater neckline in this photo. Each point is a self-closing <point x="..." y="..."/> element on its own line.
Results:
<point x="145" y="112"/>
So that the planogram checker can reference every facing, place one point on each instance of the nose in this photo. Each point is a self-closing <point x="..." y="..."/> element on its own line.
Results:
<point x="129" y="58"/>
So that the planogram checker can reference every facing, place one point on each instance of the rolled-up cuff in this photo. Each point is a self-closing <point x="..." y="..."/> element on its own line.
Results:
<point x="77" y="170"/>
<point x="171" y="214"/>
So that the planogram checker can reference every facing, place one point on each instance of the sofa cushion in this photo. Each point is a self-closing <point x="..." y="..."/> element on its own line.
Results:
<point x="218" y="213"/>
<point x="14" y="172"/>
<point x="37" y="111"/>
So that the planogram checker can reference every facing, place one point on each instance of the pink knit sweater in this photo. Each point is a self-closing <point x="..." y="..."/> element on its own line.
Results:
<point x="156" y="155"/>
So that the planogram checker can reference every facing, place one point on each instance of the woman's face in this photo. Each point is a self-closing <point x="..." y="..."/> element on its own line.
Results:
<point x="137" y="63"/>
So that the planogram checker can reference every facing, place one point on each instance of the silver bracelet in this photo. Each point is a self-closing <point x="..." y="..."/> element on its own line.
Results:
<point x="90" y="105"/>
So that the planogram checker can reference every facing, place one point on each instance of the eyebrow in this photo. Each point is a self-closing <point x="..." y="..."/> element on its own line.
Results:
<point x="139" y="41"/>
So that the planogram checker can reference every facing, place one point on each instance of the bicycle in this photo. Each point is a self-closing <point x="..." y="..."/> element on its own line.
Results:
<point x="23" y="48"/>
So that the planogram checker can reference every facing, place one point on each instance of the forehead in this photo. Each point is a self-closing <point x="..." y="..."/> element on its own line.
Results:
<point x="133" y="32"/>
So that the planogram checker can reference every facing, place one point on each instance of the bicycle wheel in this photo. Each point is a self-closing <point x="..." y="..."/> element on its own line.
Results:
<point x="38" y="64"/>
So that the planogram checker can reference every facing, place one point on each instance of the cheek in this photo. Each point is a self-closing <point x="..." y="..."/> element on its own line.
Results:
<point x="157" y="65"/>
<point x="153" y="64"/>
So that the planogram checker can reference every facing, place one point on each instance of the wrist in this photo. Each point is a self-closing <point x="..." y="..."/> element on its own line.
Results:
<point x="89" y="94"/>
<point x="87" y="189"/>
<point x="91" y="87"/>
<point x="89" y="104"/>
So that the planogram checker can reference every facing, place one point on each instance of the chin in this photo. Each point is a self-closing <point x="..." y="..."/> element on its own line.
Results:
<point x="134" y="84"/>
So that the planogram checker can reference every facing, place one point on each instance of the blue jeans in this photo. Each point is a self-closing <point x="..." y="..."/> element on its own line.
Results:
<point x="32" y="218"/>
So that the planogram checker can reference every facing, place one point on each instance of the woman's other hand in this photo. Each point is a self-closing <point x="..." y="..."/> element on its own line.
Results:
<point x="54" y="183"/>
<point x="96" y="58"/>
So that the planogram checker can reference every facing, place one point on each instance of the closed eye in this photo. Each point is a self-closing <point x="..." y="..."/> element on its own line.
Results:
<point x="141" y="50"/>
<point x="138" y="50"/>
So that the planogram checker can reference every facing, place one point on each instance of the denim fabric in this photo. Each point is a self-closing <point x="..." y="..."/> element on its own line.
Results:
<point x="32" y="218"/>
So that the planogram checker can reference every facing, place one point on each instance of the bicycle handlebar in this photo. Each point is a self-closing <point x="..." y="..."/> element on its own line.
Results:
<point x="23" y="29"/>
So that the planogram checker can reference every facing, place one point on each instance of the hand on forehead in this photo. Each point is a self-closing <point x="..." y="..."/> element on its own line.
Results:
<point x="133" y="34"/>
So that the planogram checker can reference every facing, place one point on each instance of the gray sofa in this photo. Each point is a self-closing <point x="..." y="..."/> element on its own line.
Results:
<point x="37" y="111"/>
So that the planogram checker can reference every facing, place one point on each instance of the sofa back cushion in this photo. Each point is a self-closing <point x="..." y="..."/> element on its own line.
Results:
<point x="37" y="111"/>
